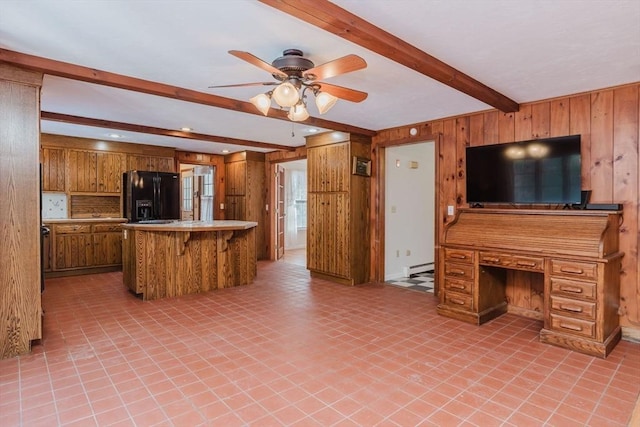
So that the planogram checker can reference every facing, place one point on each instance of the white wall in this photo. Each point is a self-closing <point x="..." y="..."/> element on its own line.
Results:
<point x="410" y="207"/>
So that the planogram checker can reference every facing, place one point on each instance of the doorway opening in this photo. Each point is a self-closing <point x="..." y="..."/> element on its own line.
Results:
<point x="410" y="216"/>
<point x="196" y="192"/>
<point x="291" y="212"/>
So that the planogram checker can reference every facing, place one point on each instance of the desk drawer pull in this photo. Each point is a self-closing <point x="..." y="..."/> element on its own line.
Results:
<point x="457" y="301"/>
<point x="456" y="286"/>
<point x="576" y="328"/>
<point x="572" y="289"/>
<point x="457" y="255"/>
<point x="526" y="263"/>
<point x="571" y="308"/>
<point x="572" y="270"/>
<point x="457" y="272"/>
<point x="491" y="259"/>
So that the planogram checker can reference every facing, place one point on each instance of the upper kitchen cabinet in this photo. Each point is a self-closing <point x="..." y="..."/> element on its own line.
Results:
<point x="95" y="172"/>
<point x="53" y="170"/>
<point x="150" y="163"/>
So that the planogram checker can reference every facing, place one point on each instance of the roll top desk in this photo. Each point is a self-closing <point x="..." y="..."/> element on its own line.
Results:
<point x="575" y="251"/>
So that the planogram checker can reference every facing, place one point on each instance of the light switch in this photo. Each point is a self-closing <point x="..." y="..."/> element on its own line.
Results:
<point x="221" y="206"/>
<point x="450" y="210"/>
<point x="393" y="209"/>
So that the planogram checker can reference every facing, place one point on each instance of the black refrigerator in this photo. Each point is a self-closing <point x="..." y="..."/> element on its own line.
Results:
<point x="150" y="196"/>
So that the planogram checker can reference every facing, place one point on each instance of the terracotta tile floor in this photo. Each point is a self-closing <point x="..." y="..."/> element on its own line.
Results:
<point x="289" y="350"/>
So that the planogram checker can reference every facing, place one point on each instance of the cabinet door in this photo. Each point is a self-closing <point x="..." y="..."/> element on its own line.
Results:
<point x="328" y="234"/>
<point x="329" y="167"/>
<point x="165" y="164"/>
<point x="107" y="248"/>
<point x="235" y="208"/>
<point x="46" y="252"/>
<point x="73" y="251"/>
<point x="236" y="176"/>
<point x="109" y="172"/>
<point x="82" y="171"/>
<point x="53" y="172"/>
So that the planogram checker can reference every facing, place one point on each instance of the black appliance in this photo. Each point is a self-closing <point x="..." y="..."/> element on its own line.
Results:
<point x="150" y="196"/>
<point x="543" y="171"/>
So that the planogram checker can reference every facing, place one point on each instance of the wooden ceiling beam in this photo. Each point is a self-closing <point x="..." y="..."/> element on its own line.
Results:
<point x="338" y="21"/>
<point x="105" y="78"/>
<point x="87" y="121"/>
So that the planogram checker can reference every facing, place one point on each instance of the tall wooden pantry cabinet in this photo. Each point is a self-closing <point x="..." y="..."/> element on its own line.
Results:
<point x="338" y="207"/>
<point x="245" y="193"/>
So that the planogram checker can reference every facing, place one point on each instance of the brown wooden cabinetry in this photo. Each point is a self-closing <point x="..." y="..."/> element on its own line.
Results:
<point x="245" y="193"/>
<point x="95" y="172"/>
<point x="338" y="208"/>
<point x="150" y="163"/>
<point x="53" y="170"/>
<point x="575" y="252"/>
<point x="84" y="246"/>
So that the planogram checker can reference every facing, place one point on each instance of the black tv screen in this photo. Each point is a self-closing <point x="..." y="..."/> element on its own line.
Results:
<point x="543" y="171"/>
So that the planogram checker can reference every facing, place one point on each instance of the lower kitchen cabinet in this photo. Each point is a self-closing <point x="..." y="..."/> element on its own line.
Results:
<point x="84" y="247"/>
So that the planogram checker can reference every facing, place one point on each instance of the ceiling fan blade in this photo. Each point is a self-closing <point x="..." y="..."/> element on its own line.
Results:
<point x="343" y="92"/>
<point x="254" y="60"/>
<point x="248" y="84"/>
<point x="343" y="65"/>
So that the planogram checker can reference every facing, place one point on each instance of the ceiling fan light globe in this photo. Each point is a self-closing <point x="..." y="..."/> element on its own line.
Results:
<point x="298" y="113"/>
<point x="262" y="102"/>
<point x="286" y="95"/>
<point x="324" y="102"/>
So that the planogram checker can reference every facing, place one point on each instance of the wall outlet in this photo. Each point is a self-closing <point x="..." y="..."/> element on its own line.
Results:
<point x="398" y="253"/>
<point x="450" y="210"/>
<point x="408" y="252"/>
<point x="393" y="209"/>
<point x="221" y="206"/>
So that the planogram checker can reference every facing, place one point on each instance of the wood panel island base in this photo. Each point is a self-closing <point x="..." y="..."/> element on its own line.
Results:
<point x="571" y="256"/>
<point x="187" y="257"/>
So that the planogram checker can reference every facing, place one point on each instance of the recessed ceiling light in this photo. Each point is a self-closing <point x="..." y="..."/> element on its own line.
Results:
<point x="225" y="151"/>
<point x="114" y="135"/>
<point x="312" y="130"/>
<point x="186" y="129"/>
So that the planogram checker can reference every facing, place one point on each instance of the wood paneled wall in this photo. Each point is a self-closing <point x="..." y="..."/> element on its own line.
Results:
<point x="20" y="303"/>
<point x="609" y="122"/>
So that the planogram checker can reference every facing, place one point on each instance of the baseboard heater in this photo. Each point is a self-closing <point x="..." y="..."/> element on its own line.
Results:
<point x="407" y="271"/>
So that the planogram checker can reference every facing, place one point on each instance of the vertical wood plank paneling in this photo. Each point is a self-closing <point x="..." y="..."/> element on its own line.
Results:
<point x="559" y="118"/>
<point x="540" y="120"/>
<point x="448" y="179"/>
<point x="602" y="146"/>
<point x="476" y="130"/>
<point x="580" y="124"/>
<point x="625" y="189"/>
<point x="491" y="133"/>
<point x="522" y="130"/>
<point x="462" y="142"/>
<point x="506" y="127"/>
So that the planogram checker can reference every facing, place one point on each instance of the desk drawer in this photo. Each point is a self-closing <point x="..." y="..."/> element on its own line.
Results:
<point x="574" y="307"/>
<point x="518" y="262"/>
<point x="463" y="286"/>
<point x="455" y="299"/>
<point x="570" y="325"/>
<point x="459" y="255"/>
<point x="573" y="288"/>
<point x="460" y="271"/>
<point x="582" y="270"/>
<point x="73" y="228"/>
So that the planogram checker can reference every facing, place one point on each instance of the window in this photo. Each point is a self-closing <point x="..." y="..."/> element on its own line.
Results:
<point x="187" y="193"/>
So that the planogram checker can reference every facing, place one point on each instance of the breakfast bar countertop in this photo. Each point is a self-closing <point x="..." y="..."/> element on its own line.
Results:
<point x="214" y="225"/>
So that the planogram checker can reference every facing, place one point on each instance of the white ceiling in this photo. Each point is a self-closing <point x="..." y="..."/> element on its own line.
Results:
<point x="526" y="50"/>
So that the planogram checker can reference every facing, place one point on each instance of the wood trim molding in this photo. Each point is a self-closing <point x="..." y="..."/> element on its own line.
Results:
<point x="91" y="75"/>
<point x="338" y="21"/>
<point x="87" y="121"/>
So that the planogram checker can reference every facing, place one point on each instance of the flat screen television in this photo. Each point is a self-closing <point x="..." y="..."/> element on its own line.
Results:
<point x="543" y="171"/>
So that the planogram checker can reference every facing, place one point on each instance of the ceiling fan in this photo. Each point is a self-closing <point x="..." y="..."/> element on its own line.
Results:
<point x="296" y="75"/>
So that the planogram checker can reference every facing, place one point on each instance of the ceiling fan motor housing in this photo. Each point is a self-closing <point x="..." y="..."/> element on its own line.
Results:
<point x="292" y="63"/>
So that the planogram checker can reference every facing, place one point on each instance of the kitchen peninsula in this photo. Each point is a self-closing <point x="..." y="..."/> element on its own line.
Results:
<point x="176" y="258"/>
